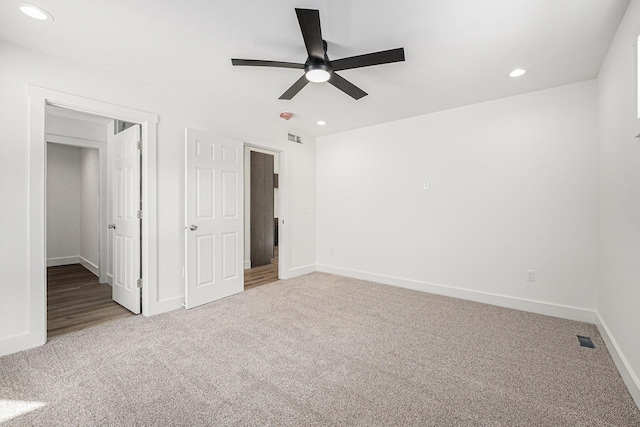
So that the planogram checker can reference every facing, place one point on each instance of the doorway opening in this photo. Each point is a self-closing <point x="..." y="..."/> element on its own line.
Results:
<point x="262" y="217"/>
<point x="79" y="194"/>
<point x="39" y="99"/>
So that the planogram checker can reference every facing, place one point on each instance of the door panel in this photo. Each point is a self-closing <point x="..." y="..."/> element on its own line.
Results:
<point x="213" y="213"/>
<point x="205" y="185"/>
<point x="230" y="262"/>
<point x="230" y="200"/>
<point x="125" y="161"/>
<point x="205" y="252"/>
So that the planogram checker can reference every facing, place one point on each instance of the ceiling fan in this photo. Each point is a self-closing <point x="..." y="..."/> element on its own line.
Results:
<point x="318" y="68"/>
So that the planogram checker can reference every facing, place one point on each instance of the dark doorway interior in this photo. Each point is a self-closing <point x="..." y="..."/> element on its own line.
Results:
<point x="262" y="223"/>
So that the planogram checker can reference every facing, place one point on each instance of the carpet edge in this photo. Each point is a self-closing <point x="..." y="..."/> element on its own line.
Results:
<point x="532" y="306"/>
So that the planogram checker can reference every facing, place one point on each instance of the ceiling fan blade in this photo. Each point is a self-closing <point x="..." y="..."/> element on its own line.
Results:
<point x="295" y="88"/>
<point x="309" y="20"/>
<point x="259" y="63"/>
<point x="368" y="59"/>
<point x="347" y="87"/>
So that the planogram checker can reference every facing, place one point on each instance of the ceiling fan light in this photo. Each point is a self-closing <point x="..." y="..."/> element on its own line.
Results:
<point x="318" y="73"/>
<point x="318" y="76"/>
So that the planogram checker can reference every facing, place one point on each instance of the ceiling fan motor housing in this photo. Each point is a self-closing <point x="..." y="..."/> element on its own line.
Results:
<point x="316" y="69"/>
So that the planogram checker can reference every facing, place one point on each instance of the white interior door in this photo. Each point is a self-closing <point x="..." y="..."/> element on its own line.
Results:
<point x="125" y="228"/>
<point x="214" y="221"/>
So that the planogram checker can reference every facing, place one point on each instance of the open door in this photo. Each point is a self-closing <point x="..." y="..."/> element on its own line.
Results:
<point x="125" y="228"/>
<point x="214" y="218"/>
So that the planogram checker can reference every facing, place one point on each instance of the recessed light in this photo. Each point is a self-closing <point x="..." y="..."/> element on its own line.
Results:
<point x="321" y="123"/>
<point x="517" y="72"/>
<point x="35" y="12"/>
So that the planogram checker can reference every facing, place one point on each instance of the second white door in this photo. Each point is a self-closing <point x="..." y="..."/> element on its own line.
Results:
<point x="214" y="218"/>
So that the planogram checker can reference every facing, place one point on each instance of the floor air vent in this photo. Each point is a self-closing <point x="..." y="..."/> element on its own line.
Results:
<point x="586" y="342"/>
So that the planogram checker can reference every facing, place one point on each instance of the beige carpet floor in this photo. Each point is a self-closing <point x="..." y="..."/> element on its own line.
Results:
<point x="321" y="350"/>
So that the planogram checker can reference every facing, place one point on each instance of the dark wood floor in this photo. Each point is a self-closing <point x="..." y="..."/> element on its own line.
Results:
<point x="262" y="275"/>
<point x="76" y="300"/>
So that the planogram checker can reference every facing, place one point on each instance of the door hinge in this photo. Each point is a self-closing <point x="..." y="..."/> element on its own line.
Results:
<point x="139" y="214"/>
<point x="139" y="145"/>
<point x="139" y="283"/>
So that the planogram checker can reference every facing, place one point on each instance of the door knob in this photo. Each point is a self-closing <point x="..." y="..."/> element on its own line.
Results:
<point x="193" y="227"/>
<point x="113" y="226"/>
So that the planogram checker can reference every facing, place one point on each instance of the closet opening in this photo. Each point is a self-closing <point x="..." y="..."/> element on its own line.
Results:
<point x="79" y="220"/>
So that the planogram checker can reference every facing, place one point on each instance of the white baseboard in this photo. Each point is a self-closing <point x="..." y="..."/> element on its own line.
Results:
<point x="556" y="310"/>
<point x="66" y="260"/>
<point x="626" y="372"/>
<point x="300" y="271"/>
<point x="110" y="279"/>
<point x="247" y="265"/>
<point x="89" y="266"/>
<point x="14" y="344"/>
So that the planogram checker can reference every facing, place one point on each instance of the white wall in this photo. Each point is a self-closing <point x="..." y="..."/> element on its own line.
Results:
<point x="90" y="206"/>
<point x="85" y="190"/>
<point x="73" y="185"/>
<point x="21" y="67"/>
<point x="63" y="204"/>
<point x="619" y="196"/>
<point x="276" y="194"/>
<point x="302" y="218"/>
<point x="512" y="187"/>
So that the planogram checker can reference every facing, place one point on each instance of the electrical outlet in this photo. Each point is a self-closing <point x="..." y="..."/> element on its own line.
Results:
<point x="531" y="275"/>
<point x="426" y="185"/>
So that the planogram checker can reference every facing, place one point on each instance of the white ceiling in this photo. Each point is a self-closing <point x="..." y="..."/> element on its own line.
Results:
<point x="457" y="51"/>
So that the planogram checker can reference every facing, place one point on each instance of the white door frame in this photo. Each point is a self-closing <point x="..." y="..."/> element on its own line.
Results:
<point x="38" y="99"/>
<point x="283" y="201"/>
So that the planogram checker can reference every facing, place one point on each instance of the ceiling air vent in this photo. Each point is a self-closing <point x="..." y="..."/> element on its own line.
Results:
<point x="294" y="138"/>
